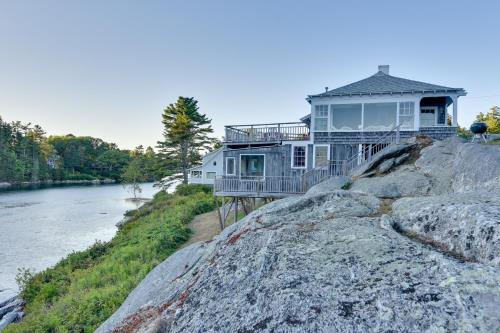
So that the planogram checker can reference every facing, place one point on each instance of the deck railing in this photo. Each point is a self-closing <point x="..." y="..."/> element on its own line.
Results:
<point x="267" y="132"/>
<point x="258" y="185"/>
<point x="301" y="184"/>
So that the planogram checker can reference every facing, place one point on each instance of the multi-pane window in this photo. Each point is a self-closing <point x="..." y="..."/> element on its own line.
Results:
<point x="230" y="170"/>
<point x="406" y="114"/>
<point x="211" y="175"/>
<point x="196" y="174"/>
<point x="299" y="157"/>
<point x="321" y="117"/>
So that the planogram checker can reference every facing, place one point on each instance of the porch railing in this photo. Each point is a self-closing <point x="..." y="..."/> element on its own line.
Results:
<point x="267" y="132"/>
<point x="301" y="184"/>
<point x="257" y="185"/>
<point x="344" y="168"/>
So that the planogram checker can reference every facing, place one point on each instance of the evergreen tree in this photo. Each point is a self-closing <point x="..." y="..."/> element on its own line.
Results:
<point x="492" y="119"/>
<point x="185" y="134"/>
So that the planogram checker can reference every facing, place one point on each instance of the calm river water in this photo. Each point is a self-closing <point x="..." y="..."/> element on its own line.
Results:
<point x="39" y="227"/>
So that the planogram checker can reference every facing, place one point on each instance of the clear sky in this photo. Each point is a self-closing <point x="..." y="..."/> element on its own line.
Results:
<point x="108" y="68"/>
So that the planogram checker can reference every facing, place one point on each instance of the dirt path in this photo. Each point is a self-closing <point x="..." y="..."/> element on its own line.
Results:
<point x="204" y="227"/>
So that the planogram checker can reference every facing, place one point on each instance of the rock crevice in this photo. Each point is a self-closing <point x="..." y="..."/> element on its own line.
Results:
<point x="331" y="261"/>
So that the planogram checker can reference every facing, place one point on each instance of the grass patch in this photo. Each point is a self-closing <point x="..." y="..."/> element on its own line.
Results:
<point x="346" y="186"/>
<point x="85" y="288"/>
<point x="494" y="142"/>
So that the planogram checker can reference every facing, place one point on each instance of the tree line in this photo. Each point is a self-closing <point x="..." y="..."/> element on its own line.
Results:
<point x="28" y="155"/>
<point x="490" y="118"/>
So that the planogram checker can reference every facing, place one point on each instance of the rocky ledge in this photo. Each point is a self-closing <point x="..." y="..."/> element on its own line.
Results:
<point x="11" y="311"/>
<point x="420" y="258"/>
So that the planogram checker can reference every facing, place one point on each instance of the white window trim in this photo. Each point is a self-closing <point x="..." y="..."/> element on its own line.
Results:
<point x="291" y="154"/>
<point x="313" y="117"/>
<point x="234" y="166"/>
<point x="264" y="173"/>
<point x="363" y="101"/>
<point x="414" y="115"/>
<point x="200" y="174"/>
<point x="330" y="118"/>
<point x="314" y="153"/>
<point x="206" y="175"/>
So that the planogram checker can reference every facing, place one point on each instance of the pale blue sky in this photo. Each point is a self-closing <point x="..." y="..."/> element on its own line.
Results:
<point x="108" y="68"/>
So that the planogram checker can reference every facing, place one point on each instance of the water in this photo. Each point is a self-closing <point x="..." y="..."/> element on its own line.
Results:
<point x="40" y="227"/>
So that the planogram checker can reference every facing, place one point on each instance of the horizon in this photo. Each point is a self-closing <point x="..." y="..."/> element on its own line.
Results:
<point x="108" y="70"/>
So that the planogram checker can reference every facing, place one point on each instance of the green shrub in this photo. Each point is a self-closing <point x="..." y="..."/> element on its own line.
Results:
<point x="346" y="186"/>
<point x="189" y="189"/>
<point x="494" y="142"/>
<point x="86" y="287"/>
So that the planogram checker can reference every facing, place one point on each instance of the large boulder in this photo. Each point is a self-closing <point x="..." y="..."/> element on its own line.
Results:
<point x="407" y="181"/>
<point x="461" y="167"/>
<point x="312" y="264"/>
<point x="466" y="224"/>
<point x="391" y="151"/>
<point x="329" y="185"/>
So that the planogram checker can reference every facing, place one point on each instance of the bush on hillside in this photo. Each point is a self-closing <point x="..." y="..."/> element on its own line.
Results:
<point x="189" y="189"/>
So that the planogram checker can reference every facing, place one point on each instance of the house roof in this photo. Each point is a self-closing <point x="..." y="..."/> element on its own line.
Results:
<point x="209" y="156"/>
<point x="382" y="83"/>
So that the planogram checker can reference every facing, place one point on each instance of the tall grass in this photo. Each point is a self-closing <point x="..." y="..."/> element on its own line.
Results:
<point x="85" y="288"/>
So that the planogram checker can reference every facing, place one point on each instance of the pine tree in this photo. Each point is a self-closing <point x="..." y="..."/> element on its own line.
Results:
<point x="492" y="119"/>
<point x="185" y="134"/>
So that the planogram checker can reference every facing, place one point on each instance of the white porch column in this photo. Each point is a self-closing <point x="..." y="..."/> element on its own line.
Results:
<point x="416" y="115"/>
<point x="455" y="111"/>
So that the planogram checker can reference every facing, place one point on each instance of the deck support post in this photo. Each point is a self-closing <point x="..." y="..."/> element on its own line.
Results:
<point x="235" y="209"/>
<point x="223" y="213"/>
<point x="245" y="204"/>
<point x="219" y="213"/>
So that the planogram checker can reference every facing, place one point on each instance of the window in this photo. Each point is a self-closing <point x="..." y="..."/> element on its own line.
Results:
<point x="298" y="156"/>
<point x="320" y="156"/>
<point x="215" y="163"/>
<point x="196" y="174"/>
<point x="346" y="117"/>
<point x="380" y="116"/>
<point x="406" y="112"/>
<point x="211" y="175"/>
<point x="252" y="165"/>
<point x="230" y="167"/>
<point x="321" y="117"/>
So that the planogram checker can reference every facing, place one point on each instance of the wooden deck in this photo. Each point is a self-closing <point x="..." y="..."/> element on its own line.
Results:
<point x="256" y="187"/>
<point x="281" y="187"/>
<point x="275" y="132"/>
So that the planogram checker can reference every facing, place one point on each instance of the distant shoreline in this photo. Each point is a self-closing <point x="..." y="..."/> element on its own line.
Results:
<point x="49" y="183"/>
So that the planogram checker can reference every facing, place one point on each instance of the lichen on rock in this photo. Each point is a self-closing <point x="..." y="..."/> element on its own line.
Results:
<point x="342" y="260"/>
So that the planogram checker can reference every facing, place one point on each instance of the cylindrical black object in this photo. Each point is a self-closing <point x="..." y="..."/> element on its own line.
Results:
<point x="478" y="128"/>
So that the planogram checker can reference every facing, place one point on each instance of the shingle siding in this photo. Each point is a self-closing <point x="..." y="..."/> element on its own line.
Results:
<point x="438" y="133"/>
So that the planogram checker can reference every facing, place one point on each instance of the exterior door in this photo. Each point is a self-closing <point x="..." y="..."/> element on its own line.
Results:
<point x="428" y="116"/>
<point x="321" y="156"/>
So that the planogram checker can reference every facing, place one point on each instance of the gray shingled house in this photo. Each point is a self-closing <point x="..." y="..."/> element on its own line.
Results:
<point x="345" y="126"/>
